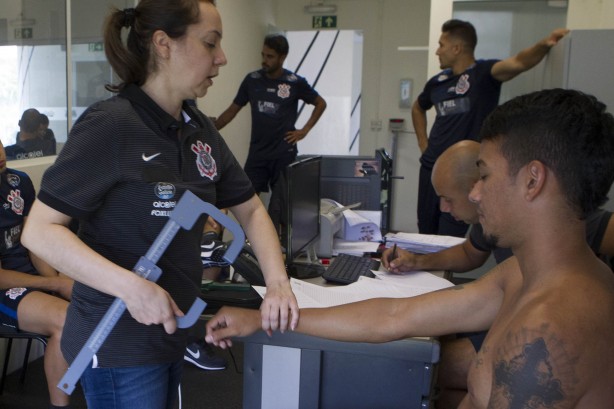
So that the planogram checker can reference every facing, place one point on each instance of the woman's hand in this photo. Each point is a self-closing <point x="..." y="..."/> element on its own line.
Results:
<point x="279" y="309"/>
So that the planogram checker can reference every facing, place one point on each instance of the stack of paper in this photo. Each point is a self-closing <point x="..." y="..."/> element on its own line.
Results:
<point x="309" y="295"/>
<point x="422" y="243"/>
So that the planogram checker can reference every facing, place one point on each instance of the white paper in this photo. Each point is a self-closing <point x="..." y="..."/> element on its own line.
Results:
<point x="309" y="295"/>
<point x="357" y="248"/>
<point x="418" y="279"/>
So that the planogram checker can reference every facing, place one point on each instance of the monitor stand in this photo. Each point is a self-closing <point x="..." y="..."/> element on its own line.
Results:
<point x="309" y="267"/>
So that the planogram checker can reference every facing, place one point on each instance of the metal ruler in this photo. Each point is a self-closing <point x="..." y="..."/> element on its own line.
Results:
<point x="189" y="208"/>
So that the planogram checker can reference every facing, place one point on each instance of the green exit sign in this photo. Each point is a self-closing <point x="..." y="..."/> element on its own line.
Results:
<point x="324" y="22"/>
<point x="93" y="47"/>
<point x="24" y="33"/>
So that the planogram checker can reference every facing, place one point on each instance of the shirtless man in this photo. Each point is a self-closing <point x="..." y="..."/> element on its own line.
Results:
<point x="545" y="163"/>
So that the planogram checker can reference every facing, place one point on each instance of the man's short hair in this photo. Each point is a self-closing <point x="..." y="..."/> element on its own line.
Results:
<point x="278" y="43"/>
<point x="569" y="132"/>
<point x="30" y="120"/>
<point x="462" y="30"/>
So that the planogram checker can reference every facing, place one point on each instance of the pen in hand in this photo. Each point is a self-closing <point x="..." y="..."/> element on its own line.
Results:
<point x="393" y="255"/>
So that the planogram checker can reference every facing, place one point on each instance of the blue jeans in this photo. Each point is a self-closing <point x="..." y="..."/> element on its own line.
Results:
<point x="148" y="386"/>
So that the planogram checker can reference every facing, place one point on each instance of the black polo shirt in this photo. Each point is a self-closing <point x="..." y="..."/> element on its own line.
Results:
<point x="122" y="170"/>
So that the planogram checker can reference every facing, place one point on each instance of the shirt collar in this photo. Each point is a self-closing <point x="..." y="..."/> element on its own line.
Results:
<point x="163" y="119"/>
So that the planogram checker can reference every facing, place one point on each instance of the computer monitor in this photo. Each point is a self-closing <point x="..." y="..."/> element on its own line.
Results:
<point x="302" y="207"/>
<point x="351" y="179"/>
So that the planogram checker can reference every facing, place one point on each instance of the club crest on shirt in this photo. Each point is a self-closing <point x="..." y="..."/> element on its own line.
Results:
<point x="13" y="180"/>
<point x="204" y="161"/>
<point x="283" y="90"/>
<point x="462" y="86"/>
<point x="16" y="201"/>
<point x="14" y="293"/>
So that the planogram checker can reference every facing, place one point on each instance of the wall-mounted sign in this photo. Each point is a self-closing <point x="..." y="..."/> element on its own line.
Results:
<point x="324" y="22"/>
<point x="23" y="33"/>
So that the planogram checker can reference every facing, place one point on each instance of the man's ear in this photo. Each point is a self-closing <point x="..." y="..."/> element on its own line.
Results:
<point x="161" y="44"/>
<point x="535" y="178"/>
<point x="457" y="47"/>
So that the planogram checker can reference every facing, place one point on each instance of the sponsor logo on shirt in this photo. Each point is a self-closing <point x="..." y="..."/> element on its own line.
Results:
<point x="161" y="204"/>
<point x="266" y="107"/>
<point x="13" y="180"/>
<point x="283" y="91"/>
<point x="204" y="161"/>
<point x="16" y="201"/>
<point x="164" y="190"/>
<point x="11" y="236"/>
<point x="455" y="106"/>
<point x="150" y="157"/>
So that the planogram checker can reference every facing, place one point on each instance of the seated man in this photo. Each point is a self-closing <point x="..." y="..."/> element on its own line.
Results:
<point x="30" y="143"/>
<point x="33" y="296"/>
<point x="545" y="163"/>
<point x="453" y="177"/>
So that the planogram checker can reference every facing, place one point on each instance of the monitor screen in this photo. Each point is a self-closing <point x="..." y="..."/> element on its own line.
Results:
<point x="302" y="206"/>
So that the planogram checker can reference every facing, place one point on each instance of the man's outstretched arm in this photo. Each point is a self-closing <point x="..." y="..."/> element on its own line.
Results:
<point x="528" y="58"/>
<point x="470" y="307"/>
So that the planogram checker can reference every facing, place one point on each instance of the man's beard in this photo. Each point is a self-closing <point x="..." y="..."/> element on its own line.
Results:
<point x="492" y="240"/>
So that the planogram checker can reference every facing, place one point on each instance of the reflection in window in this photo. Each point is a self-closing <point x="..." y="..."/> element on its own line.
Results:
<point x="33" y="55"/>
<point x="33" y="66"/>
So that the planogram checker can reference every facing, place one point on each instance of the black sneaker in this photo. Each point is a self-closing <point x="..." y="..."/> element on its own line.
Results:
<point x="203" y="356"/>
<point x="212" y="251"/>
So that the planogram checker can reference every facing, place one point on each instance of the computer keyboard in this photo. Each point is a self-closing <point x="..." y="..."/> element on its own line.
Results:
<point x="346" y="268"/>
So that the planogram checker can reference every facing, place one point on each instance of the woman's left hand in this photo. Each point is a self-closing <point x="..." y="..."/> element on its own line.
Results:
<point x="279" y="309"/>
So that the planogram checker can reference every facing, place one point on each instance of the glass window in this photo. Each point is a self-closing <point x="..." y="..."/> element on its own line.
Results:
<point x="34" y="40"/>
<point x="90" y="69"/>
<point x="33" y="64"/>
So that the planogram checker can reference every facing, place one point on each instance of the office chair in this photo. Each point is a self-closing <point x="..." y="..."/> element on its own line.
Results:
<point x="9" y="336"/>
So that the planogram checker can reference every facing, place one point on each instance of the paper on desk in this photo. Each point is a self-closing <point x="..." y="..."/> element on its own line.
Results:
<point x="356" y="248"/>
<point x="422" y="243"/>
<point x="417" y="279"/>
<point x="309" y="295"/>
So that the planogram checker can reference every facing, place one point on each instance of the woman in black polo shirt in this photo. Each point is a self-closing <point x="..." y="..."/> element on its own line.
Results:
<point x="127" y="161"/>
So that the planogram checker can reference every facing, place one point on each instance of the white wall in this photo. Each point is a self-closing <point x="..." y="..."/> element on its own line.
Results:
<point x="590" y="14"/>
